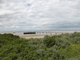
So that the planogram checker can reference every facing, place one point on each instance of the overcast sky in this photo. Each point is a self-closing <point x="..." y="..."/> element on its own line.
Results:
<point x="31" y="15"/>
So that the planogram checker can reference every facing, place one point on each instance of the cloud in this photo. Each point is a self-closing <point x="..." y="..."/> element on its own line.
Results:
<point x="39" y="14"/>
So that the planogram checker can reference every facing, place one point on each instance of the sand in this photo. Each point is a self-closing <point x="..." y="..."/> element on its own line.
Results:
<point x="35" y="36"/>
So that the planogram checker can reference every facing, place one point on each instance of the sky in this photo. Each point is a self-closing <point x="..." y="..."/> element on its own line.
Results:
<point x="34" y="15"/>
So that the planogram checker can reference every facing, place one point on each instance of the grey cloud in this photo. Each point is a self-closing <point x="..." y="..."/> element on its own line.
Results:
<point x="15" y="1"/>
<point x="1" y="26"/>
<point x="59" y="14"/>
<point x="1" y="1"/>
<point x="64" y="24"/>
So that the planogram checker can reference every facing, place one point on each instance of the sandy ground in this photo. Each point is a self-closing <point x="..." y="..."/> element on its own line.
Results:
<point x="35" y="36"/>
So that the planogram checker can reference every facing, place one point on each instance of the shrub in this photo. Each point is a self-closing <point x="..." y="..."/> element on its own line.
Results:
<point x="61" y="42"/>
<point x="49" y="41"/>
<point x="13" y="56"/>
<point x="57" y="47"/>
<point x="75" y="39"/>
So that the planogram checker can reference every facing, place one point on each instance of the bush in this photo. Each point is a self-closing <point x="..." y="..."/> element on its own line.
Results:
<point x="61" y="42"/>
<point x="49" y="41"/>
<point x="57" y="47"/>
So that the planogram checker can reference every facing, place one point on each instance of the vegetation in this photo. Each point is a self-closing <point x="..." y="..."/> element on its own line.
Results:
<point x="57" y="47"/>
